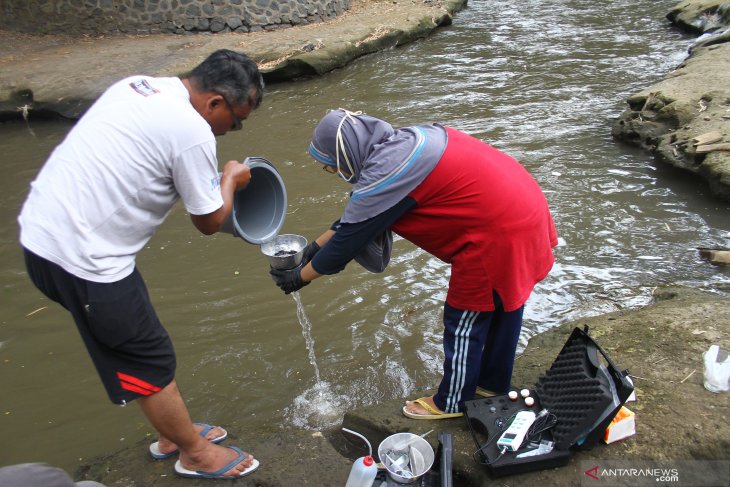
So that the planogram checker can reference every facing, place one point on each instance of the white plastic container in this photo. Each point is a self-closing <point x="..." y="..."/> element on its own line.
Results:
<point x="363" y="472"/>
<point x="717" y="369"/>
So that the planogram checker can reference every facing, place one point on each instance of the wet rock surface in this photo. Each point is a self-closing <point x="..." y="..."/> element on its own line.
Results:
<point x="291" y="458"/>
<point x="661" y="345"/>
<point x="675" y="118"/>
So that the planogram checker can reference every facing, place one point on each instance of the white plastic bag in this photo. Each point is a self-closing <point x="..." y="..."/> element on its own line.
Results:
<point x="717" y="369"/>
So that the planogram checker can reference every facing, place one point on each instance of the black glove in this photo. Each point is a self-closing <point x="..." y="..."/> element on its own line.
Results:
<point x="309" y="252"/>
<point x="288" y="280"/>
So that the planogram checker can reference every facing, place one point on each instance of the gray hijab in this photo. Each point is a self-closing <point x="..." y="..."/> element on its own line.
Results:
<point x="384" y="164"/>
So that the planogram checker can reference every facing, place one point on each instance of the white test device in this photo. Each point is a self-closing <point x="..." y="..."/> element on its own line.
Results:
<point x="515" y="434"/>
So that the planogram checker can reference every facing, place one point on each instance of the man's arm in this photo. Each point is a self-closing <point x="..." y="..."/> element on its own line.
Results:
<point x="235" y="176"/>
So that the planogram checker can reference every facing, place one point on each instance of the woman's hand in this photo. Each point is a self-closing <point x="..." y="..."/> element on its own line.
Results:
<point x="309" y="252"/>
<point x="289" y="280"/>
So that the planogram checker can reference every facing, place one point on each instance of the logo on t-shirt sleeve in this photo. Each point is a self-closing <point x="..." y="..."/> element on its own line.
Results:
<point x="143" y="87"/>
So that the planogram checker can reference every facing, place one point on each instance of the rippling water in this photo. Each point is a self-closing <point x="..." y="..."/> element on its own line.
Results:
<point x="539" y="80"/>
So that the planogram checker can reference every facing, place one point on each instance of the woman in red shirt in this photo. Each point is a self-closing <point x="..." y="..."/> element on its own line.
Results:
<point x="462" y="201"/>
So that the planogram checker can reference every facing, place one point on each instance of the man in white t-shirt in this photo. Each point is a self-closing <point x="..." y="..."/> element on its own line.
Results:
<point x="144" y="144"/>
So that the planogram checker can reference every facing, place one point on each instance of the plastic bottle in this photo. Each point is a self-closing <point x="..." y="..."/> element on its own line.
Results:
<point x="363" y="472"/>
<point x="717" y="369"/>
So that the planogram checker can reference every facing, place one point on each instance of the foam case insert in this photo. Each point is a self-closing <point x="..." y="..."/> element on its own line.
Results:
<point x="583" y="389"/>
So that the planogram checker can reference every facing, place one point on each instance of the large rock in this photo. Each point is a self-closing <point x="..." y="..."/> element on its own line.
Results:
<point x="674" y="116"/>
<point x="700" y="16"/>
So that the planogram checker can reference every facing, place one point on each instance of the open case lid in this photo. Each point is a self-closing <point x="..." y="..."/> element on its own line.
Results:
<point x="584" y="389"/>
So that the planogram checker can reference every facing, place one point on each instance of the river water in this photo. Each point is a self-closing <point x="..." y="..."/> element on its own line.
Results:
<point x="539" y="80"/>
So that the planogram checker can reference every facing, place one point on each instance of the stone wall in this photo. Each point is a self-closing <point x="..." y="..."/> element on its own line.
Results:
<point x="97" y="17"/>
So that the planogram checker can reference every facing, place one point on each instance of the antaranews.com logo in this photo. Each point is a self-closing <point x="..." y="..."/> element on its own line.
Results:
<point x="638" y="473"/>
<point x="657" y="474"/>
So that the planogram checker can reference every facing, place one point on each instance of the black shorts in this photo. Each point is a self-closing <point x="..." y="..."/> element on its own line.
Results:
<point x="129" y="346"/>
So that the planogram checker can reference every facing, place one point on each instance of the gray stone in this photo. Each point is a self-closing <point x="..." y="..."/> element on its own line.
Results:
<point x="128" y="15"/>
<point x="46" y="9"/>
<point x="217" y="24"/>
<point x="234" y="22"/>
<point x="203" y="24"/>
<point x="690" y="101"/>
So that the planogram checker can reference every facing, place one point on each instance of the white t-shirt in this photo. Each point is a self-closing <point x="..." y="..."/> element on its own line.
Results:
<point x="115" y="177"/>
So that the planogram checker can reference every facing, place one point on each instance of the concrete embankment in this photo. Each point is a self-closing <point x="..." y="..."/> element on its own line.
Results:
<point x="684" y="120"/>
<point x="48" y="75"/>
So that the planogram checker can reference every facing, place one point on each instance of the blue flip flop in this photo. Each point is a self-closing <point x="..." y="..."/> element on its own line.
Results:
<point x="218" y="474"/>
<point x="158" y="455"/>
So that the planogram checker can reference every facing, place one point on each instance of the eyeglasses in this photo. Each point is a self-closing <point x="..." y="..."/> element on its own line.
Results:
<point x="236" y="121"/>
<point x="329" y="169"/>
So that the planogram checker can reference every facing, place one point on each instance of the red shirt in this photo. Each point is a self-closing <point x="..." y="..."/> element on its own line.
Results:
<point x="483" y="213"/>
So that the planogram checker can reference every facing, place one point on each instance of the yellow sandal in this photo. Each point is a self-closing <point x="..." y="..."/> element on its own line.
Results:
<point x="434" y="413"/>
<point x="485" y="392"/>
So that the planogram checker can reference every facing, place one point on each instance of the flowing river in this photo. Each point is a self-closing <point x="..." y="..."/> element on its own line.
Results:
<point x="539" y="80"/>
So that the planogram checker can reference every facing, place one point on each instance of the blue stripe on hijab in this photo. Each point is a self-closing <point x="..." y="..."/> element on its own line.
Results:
<point x="383" y="184"/>
<point x="320" y="156"/>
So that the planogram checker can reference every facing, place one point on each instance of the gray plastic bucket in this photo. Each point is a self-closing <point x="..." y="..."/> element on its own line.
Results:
<point x="260" y="208"/>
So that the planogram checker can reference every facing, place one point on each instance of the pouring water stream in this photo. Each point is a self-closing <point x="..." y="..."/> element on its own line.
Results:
<point x="306" y="332"/>
<point x="318" y="405"/>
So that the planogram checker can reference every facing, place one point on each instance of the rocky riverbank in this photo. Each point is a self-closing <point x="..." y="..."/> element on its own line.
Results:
<point x="684" y="120"/>
<point x="661" y="345"/>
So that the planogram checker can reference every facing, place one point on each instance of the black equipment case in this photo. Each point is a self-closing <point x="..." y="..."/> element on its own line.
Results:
<point x="582" y="392"/>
